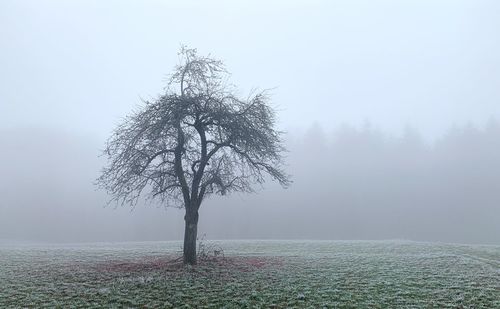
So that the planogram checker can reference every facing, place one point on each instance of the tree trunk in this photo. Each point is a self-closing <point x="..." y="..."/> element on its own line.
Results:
<point x="190" y="234"/>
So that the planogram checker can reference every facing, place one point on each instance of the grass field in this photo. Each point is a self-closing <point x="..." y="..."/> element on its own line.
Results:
<point x="252" y="274"/>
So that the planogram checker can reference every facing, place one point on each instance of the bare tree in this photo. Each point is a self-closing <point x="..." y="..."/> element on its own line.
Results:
<point x="195" y="140"/>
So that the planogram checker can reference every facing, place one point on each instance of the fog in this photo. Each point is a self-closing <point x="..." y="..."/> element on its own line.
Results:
<point x="391" y="110"/>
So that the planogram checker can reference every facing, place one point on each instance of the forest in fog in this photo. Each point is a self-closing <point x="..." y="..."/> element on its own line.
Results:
<point x="348" y="183"/>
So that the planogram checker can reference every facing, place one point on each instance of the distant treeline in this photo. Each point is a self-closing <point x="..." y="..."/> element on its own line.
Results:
<point x="349" y="183"/>
<point x="374" y="184"/>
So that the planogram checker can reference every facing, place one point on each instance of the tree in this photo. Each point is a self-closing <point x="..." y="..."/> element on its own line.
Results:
<point x="197" y="139"/>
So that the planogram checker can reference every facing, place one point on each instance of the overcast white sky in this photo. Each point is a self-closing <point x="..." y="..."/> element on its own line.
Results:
<point x="82" y="65"/>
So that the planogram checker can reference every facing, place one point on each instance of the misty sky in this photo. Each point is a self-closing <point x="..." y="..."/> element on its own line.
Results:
<point x="366" y="84"/>
<point x="82" y="65"/>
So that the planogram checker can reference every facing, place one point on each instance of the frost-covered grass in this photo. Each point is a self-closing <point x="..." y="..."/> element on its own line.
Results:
<point x="254" y="274"/>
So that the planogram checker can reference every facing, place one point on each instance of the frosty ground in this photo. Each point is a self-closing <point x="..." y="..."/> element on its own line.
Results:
<point x="252" y="274"/>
